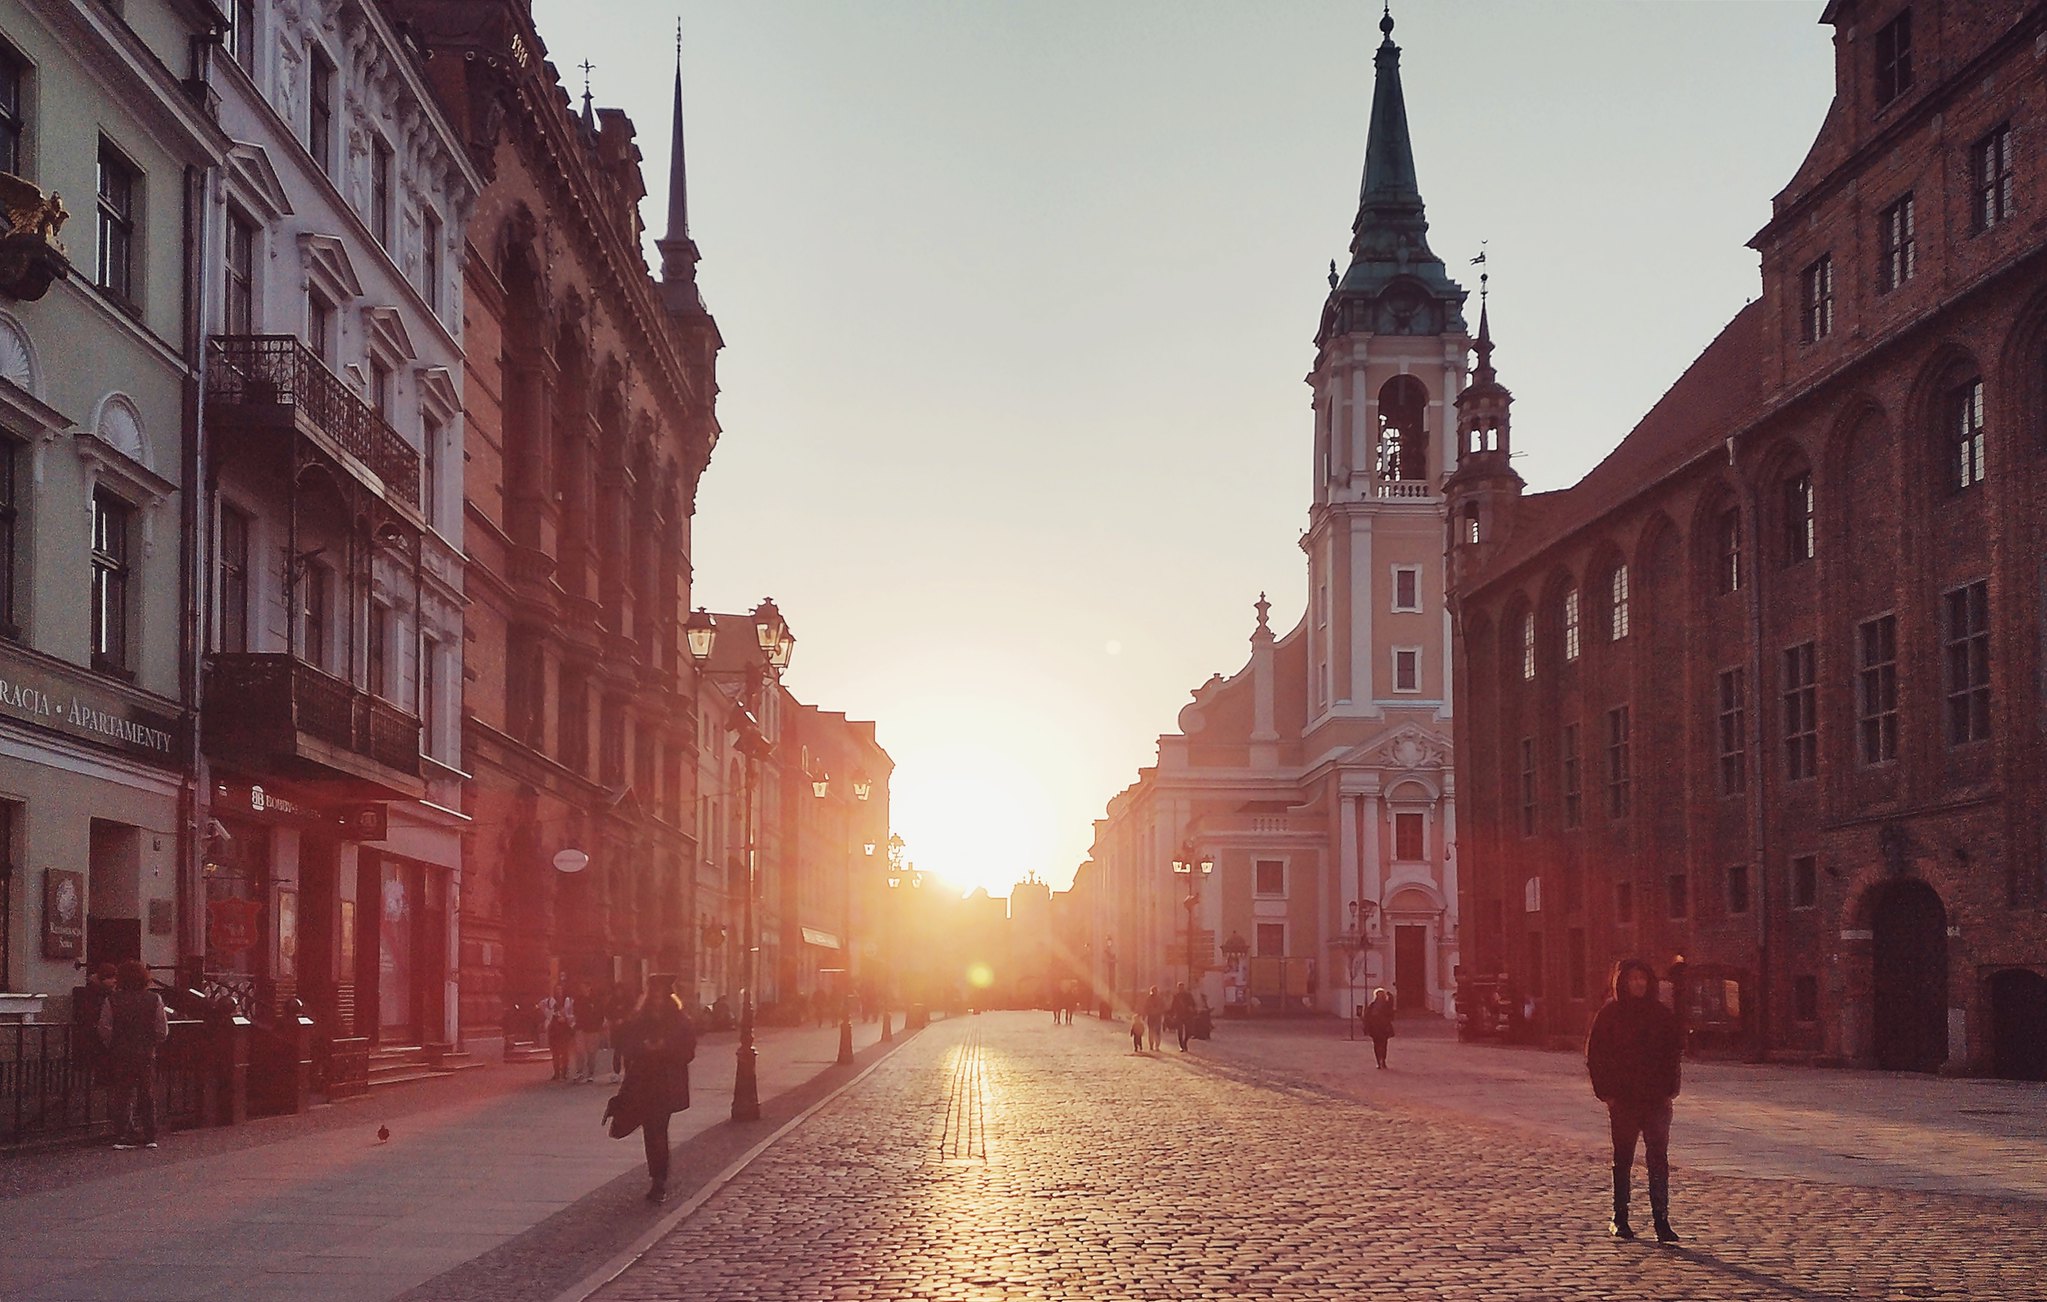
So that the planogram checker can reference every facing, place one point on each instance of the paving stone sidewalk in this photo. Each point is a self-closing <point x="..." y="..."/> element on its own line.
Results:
<point x="1002" y="1158"/>
<point x="315" y="1208"/>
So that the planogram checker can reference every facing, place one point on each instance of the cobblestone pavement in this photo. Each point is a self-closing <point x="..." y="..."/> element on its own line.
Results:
<point x="1003" y="1158"/>
<point x="490" y="1176"/>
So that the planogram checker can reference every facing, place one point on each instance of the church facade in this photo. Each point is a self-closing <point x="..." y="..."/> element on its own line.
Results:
<point x="1293" y="846"/>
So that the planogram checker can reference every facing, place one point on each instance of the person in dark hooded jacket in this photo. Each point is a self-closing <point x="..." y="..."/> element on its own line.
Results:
<point x="660" y="1042"/>
<point x="1633" y="1054"/>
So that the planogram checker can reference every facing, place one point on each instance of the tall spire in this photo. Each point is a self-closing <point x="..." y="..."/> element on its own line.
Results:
<point x="678" y="251"/>
<point x="1390" y="234"/>
<point x="1390" y="219"/>
<point x="1484" y="374"/>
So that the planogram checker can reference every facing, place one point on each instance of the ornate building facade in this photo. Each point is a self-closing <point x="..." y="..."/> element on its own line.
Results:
<point x="589" y="420"/>
<point x="1759" y="697"/>
<point x="1317" y="780"/>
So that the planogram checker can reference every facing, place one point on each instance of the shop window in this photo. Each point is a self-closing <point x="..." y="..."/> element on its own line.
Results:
<point x="111" y="525"/>
<point x="1409" y="838"/>
<point x="1271" y="876"/>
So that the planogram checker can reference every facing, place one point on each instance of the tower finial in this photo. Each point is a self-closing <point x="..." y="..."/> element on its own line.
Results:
<point x="1386" y="20"/>
<point x="678" y="251"/>
<point x="589" y="115"/>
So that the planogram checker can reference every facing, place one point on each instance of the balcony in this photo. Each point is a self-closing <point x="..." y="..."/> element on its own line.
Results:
<point x="1412" y="490"/>
<point x="277" y="713"/>
<point x="269" y="382"/>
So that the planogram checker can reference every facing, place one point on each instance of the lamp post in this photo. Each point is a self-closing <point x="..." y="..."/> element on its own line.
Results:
<point x="774" y="646"/>
<point x="821" y="786"/>
<point x="1352" y="942"/>
<point x="1195" y="868"/>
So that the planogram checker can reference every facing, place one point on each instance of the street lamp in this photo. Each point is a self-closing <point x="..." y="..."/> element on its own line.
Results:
<point x="1194" y="868"/>
<point x="1351" y="942"/>
<point x="821" y="786"/>
<point x="776" y="646"/>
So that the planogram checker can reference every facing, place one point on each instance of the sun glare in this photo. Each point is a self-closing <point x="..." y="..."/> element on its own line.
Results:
<point x="977" y="817"/>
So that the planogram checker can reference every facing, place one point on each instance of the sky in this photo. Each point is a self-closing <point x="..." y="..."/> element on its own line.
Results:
<point x="1018" y="295"/>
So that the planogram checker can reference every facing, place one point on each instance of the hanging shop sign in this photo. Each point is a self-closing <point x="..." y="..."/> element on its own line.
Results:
<point x="231" y="925"/>
<point x="51" y="695"/>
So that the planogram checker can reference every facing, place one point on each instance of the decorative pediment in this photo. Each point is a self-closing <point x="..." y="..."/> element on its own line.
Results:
<point x="1406" y="749"/>
<point x="327" y="265"/>
<point x="387" y="333"/>
<point x="437" y="390"/>
<point x="253" y="178"/>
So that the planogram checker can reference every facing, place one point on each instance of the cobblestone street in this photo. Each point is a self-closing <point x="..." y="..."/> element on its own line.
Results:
<point x="1000" y="1157"/>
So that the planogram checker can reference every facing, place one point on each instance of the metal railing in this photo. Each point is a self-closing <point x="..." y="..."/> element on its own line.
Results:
<point x="268" y="688"/>
<point x="54" y="1080"/>
<point x="279" y="370"/>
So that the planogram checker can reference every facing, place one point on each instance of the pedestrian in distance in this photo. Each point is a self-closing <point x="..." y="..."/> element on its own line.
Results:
<point x="1181" y="1015"/>
<point x="1137" y="1033"/>
<point x="1634" y="1055"/>
<point x="1154" y="1017"/>
<point x="133" y="1024"/>
<point x="1379" y="1023"/>
<point x="590" y="1009"/>
<point x="660" y="1044"/>
<point x="558" y="1024"/>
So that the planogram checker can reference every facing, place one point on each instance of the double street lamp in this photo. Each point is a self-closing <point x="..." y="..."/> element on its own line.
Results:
<point x="1195" y="868"/>
<point x="1353" y="942"/>
<point x="758" y="674"/>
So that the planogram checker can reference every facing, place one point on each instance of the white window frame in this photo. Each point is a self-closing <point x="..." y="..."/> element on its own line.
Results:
<point x="1416" y="686"/>
<point x="1414" y="607"/>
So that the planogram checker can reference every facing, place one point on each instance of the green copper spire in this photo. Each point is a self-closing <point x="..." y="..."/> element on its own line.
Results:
<point x="1390" y="236"/>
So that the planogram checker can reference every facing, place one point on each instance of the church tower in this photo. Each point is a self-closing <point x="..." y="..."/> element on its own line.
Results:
<point x="1390" y="358"/>
<point x="1481" y="494"/>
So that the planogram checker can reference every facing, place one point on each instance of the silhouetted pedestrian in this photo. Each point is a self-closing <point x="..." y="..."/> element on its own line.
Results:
<point x="1181" y="1015"/>
<point x="1379" y="1023"/>
<point x="133" y="1024"/>
<point x="1154" y="1017"/>
<point x="558" y="1024"/>
<point x="1634" y="1055"/>
<point x="660" y="1044"/>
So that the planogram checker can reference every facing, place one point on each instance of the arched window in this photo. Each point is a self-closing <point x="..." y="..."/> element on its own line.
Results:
<point x="1471" y="530"/>
<point x="1801" y="536"/>
<point x="1570" y="624"/>
<point x="1617" y="604"/>
<point x="1965" y="434"/>
<point x="1528" y="646"/>
<point x="1403" y="431"/>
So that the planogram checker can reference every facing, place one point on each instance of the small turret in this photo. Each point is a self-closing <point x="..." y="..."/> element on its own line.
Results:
<point x="1481" y="495"/>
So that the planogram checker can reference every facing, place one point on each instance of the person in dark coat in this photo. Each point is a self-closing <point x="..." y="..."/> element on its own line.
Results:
<point x="1633" y="1055"/>
<point x="660" y="1044"/>
<point x="1379" y="1022"/>
<point x="133" y="1024"/>
<point x="1181" y="1014"/>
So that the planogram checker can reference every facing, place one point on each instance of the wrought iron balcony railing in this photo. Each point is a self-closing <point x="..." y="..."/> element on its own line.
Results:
<point x="279" y="371"/>
<point x="275" y="696"/>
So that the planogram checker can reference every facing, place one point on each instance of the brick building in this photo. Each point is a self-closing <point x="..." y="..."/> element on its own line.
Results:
<point x="1763" y="689"/>
<point x="588" y="403"/>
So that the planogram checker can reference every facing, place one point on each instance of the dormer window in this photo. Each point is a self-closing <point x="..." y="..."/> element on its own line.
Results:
<point x="1894" y="58"/>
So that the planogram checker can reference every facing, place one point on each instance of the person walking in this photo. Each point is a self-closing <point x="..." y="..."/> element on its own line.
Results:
<point x="1634" y="1056"/>
<point x="660" y="1044"/>
<point x="133" y="1024"/>
<point x="558" y="1024"/>
<point x="1181" y="1015"/>
<point x="1137" y="1033"/>
<point x="1379" y="1023"/>
<point x="1154" y="1017"/>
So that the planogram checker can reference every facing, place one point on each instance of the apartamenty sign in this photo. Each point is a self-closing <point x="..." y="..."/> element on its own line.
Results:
<point x="62" y="699"/>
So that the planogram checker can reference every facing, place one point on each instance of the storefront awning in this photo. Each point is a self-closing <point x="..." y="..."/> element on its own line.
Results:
<point x="821" y="939"/>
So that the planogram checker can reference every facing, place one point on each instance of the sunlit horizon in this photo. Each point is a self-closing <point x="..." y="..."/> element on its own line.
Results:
<point x="1015" y="322"/>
